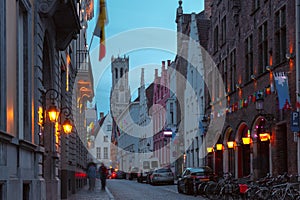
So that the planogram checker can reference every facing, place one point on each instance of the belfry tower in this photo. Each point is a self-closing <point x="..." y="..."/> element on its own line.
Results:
<point x="120" y="92"/>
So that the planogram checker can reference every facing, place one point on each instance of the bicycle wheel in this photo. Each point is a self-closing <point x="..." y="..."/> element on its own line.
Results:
<point x="277" y="195"/>
<point x="212" y="191"/>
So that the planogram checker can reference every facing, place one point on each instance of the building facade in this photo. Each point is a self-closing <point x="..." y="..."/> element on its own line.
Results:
<point x="255" y="60"/>
<point x="194" y="99"/>
<point x="101" y="144"/>
<point x="38" y="70"/>
<point x="161" y="92"/>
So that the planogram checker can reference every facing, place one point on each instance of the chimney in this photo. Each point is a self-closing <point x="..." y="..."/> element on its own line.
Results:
<point x="169" y="63"/>
<point x="101" y="115"/>
<point x="163" y="63"/>
<point x="156" y="73"/>
<point x="207" y="8"/>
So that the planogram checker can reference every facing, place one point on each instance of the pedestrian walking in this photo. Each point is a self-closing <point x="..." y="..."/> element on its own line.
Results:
<point x="91" y="173"/>
<point x="103" y="175"/>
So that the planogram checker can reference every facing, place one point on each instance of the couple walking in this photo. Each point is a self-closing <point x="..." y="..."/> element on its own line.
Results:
<point x="92" y="174"/>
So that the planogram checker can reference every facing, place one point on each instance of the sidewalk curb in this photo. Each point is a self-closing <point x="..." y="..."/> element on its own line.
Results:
<point x="111" y="197"/>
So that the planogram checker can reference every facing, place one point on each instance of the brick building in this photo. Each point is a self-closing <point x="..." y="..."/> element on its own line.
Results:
<point x="251" y="42"/>
<point x="161" y="93"/>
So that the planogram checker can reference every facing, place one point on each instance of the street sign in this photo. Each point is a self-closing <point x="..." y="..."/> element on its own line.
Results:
<point x="295" y="122"/>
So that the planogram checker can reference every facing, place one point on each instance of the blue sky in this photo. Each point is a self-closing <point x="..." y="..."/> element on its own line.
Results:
<point x="128" y="32"/>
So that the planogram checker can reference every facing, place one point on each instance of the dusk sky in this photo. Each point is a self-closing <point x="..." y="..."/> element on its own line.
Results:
<point x="143" y="30"/>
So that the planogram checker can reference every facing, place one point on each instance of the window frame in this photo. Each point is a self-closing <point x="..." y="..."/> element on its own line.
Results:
<point x="3" y="64"/>
<point x="248" y="57"/>
<point x="24" y="71"/>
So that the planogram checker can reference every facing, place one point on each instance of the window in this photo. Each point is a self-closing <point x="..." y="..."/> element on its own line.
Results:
<point x="105" y="153"/>
<point x="216" y="82"/>
<point x="233" y="69"/>
<point x="223" y="36"/>
<point x="216" y="39"/>
<point x="24" y="71"/>
<point x="1" y="191"/>
<point x="98" y="152"/>
<point x="3" y="66"/>
<point x="248" y="58"/>
<point x="172" y="112"/>
<point x="116" y="73"/>
<point x="26" y="191"/>
<point x="225" y="76"/>
<point x="255" y="5"/>
<point x="121" y="73"/>
<point x="105" y="138"/>
<point x="280" y="35"/>
<point x="108" y="128"/>
<point x="262" y="48"/>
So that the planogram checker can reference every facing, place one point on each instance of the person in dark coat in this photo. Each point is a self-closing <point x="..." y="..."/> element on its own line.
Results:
<point x="91" y="173"/>
<point x="103" y="172"/>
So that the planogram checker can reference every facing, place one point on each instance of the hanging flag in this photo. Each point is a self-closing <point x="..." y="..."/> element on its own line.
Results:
<point x="282" y="88"/>
<point x="100" y="28"/>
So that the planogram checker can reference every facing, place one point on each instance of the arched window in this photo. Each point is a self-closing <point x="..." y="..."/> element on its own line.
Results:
<point x="116" y="73"/>
<point x="121" y="73"/>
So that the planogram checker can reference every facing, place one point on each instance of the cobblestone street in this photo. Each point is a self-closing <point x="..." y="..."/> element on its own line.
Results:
<point x="97" y="194"/>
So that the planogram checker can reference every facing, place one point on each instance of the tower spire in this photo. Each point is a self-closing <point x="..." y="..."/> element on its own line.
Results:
<point x="142" y="78"/>
<point x="179" y="11"/>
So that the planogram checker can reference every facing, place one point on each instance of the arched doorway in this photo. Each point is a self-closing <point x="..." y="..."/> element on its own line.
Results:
<point x="243" y="150"/>
<point x="219" y="157"/>
<point x="229" y="151"/>
<point x="261" y="148"/>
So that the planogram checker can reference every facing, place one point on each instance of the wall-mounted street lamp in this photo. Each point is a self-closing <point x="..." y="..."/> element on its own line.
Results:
<point x="230" y="144"/>
<point x="54" y="113"/>
<point x="219" y="147"/>
<point x="246" y="140"/>
<point x="209" y="149"/>
<point x="269" y="68"/>
<point x="259" y="104"/>
<point x="289" y="56"/>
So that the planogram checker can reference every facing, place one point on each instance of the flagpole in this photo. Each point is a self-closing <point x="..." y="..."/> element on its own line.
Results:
<point x="91" y="42"/>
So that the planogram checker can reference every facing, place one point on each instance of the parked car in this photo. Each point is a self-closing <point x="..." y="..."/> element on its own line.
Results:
<point x="132" y="174"/>
<point x="185" y="183"/>
<point x="147" y="165"/>
<point x="148" y="175"/>
<point x="164" y="175"/>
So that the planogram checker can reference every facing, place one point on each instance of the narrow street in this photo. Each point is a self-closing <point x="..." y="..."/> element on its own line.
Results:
<point x="132" y="190"/>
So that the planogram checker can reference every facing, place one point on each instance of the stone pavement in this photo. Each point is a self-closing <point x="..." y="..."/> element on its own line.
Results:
<point x="97" y="194"/>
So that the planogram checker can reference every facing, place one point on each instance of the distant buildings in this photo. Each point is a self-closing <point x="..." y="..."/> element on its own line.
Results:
<point x="102" y="141"/>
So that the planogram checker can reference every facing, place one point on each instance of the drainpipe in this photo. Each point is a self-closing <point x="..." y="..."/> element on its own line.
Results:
<point x="298" y="73"/>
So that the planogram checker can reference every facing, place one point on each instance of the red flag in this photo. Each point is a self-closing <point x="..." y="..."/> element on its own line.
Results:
<point x="100" y="28"/>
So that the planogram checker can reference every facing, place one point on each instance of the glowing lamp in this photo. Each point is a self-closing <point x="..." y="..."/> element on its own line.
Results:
<point x="67" y="126"/>
<point x="209" y="149"/>
<point x="219" y="147"/>
<point x="264" y="137"/>
<point x="246" y="140"/>
<point x="230" y="144"/>
<point x="53" y="113"/>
